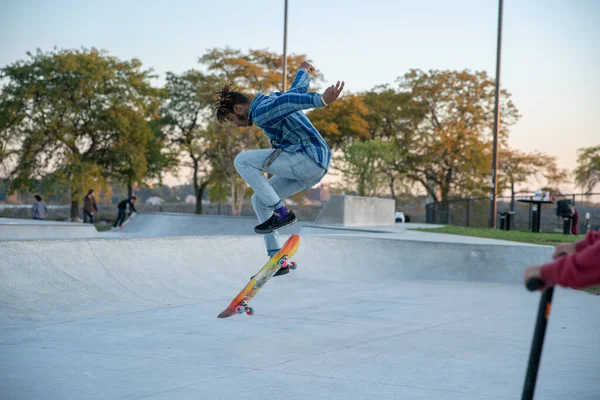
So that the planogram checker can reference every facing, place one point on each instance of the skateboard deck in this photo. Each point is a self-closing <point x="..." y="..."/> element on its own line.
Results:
<point x="240" y="302"/>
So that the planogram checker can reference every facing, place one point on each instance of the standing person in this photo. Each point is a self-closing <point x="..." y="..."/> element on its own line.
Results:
<point x="574" y="226"/>
<point x="300" y="158"/>
<point x="39" y="210"/>
<point x="575" y="265"/>
<point x="89" y="207"/>
<point x="122" y="209"/>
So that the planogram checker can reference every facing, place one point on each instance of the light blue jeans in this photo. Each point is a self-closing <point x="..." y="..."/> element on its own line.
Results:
<point x="292" y="173"/>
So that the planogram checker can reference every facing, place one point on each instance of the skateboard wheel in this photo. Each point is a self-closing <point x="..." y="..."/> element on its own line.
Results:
<point x="293" y="265"/>
<point x="283" y="263"/>
<point x="250" y="311"/>
<point x="239" y="309"/>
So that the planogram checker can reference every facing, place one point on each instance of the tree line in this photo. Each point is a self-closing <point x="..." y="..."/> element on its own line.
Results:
<point x="75" y="119"/>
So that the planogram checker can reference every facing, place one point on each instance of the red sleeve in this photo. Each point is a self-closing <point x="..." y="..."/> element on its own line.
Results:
<point x="591" y="237"/>
<point x="577" y="270"/>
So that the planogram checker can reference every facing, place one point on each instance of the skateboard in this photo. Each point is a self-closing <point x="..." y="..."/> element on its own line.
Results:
<point x="239" y="305"/>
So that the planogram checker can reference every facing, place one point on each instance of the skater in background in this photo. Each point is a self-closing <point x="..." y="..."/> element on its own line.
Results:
<point x="300" y="156"/>
<point x="39" y="210"/>
<point x="130" y="202"/>
<point x="578" y="269"/>
<point x="89" y="207"/>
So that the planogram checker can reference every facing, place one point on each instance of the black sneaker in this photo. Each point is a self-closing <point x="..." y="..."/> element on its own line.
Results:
<point x="275" y="223"/>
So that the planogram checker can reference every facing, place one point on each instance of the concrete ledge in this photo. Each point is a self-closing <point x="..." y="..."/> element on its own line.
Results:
<point x="47" y="231"/>
<point x="357" y="211"/>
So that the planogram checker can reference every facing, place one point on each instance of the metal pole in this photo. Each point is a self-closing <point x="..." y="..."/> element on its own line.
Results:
<point x="493" y="206"/>
<point x="537" y="344"/>
<point x="468" y="211"/>
<point x="285" y="15"/>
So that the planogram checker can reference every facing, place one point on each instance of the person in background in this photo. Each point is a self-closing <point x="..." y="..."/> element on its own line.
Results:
<point x="39" y="210"/>
<point x="89" y="207"/>
<point x="574" y="230"/>
<point x="576" y="265"/>
<point x="122" y="207"/>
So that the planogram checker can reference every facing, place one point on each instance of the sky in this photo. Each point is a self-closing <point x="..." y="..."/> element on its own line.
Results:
<point x="550" y="48"/>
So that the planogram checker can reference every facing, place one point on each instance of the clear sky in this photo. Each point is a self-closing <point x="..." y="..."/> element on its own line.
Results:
<point x="550" y="52"/>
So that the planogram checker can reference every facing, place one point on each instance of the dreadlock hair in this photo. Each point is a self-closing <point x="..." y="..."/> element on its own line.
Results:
<point x="227" y="98"/>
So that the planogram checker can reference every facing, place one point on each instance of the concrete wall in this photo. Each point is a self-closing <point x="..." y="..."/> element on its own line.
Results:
<point x="357" y="211"/>
<point x="47" y="231"/>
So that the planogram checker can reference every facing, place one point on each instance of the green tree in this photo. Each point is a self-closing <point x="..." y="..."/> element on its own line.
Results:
<point x="587" y="173"/>
<point x="362" y="165"/>
<point x="187" y="111"/>
<point x="131" y="131"/>
<point x="160" y="157"/>
<point x="343" y="121"/>
<point x="555" y="177"/>
<point x="58" y="110"/>
<point x="516" y="167"/>
<point x="255" y="70"/>
<point x="391" y="117"/>
<point x="452" y="136"/>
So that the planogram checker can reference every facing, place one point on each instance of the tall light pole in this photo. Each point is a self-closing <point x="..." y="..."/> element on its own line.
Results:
<point x="493" y="205"/>
<point x="285" y="15"/>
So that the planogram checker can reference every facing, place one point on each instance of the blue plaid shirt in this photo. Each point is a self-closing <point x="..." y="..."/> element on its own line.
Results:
<point x="280" y="116"/>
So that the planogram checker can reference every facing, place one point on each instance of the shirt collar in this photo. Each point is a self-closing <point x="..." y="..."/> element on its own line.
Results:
<point x="254" y="104"/>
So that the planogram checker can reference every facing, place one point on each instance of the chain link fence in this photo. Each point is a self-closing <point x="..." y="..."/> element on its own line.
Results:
<point x="475" y="212"/>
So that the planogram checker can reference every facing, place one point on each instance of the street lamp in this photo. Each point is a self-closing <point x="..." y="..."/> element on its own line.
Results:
<point x="285" y="17"/>
<point x="493" y="205"/>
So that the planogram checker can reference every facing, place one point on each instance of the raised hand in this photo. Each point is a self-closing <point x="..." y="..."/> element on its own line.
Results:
<point x="332" y="93"/>
<point x="307" y="66"/>
<point x="563" y="248"/>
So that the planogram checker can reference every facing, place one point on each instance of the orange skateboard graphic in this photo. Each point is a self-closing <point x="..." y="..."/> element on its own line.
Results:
<point x="239" y="304"/>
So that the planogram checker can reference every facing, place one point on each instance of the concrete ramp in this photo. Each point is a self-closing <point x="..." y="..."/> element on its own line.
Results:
<point x="65" y="279"/>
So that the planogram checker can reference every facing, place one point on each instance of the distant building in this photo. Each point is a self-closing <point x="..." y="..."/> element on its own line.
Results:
<point x="190" y="199"/>
<point x="318" y="195"/>
<point x="154" y="201"/>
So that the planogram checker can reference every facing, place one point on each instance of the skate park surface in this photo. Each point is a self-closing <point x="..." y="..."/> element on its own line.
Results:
<point x="370" y="313"/>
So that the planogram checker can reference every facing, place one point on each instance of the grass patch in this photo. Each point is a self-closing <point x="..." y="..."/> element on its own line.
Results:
<point x="103" y="227"/>
<point x="544" y="238"/>
<point x="594" y="290"/>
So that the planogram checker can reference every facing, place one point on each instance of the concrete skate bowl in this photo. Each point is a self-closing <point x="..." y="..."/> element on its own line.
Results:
<point x="361" y="318"/>
<point x="64" y="279"/>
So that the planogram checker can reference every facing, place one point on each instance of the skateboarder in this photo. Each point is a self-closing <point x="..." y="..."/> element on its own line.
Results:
<point x="300" y="156"/>
<point x="122" y="207"/>
<point x="579" y="268"/>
